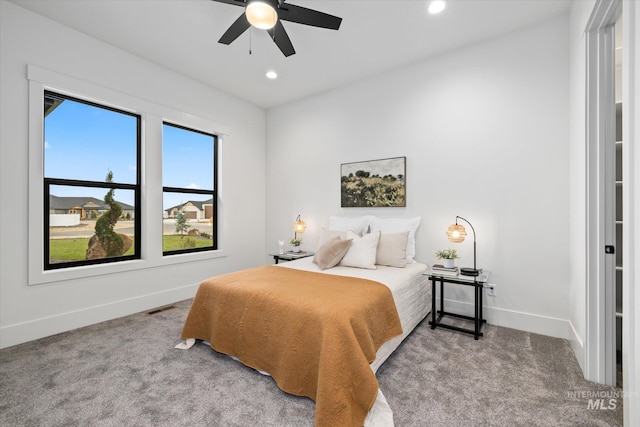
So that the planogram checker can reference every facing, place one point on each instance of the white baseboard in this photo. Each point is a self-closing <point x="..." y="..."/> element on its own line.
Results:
<point x="543" y="325"/>
<point x="39" y="328"/>
<point x="43" y="327"/>
<point x="577" y="345"/>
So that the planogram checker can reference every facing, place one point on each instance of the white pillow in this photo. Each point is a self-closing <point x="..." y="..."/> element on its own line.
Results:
<point x="356" y="224"/>
<point x="326" y="235"/>
<point x="362" y="252"/>
<point x="392" y="249"/>
<point x="399" y="225"/>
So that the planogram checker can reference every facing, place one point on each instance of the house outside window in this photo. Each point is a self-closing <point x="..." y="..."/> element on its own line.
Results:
<point x="189" y="166"/>
<point x="91" y="183"/>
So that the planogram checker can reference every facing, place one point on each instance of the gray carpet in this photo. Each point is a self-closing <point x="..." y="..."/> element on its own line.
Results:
<point x="125" y="372"/>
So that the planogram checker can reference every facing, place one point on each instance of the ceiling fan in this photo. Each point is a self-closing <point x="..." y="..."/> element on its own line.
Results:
<point x="269" y="14"/>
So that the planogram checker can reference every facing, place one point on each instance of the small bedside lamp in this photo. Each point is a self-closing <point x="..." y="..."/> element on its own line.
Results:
<point x="298" y="227"/>
<point x="456" y="234"/>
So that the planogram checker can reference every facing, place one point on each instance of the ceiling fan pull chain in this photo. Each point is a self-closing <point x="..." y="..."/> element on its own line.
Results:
<point x="250" y="39"/>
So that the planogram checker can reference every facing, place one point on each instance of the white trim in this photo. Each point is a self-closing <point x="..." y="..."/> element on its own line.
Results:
<point x="577" y="345"/>
<point x="152" y="115"/>
<point x="34" y="329"/>
<point x="631" y="211"/>
<point x="600" y="129"/>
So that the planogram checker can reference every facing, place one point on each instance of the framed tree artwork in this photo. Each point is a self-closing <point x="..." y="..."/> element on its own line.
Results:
<point x="373" y="183"/>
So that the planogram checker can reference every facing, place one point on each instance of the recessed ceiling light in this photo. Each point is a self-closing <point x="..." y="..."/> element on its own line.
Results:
<point x="272" y="75"/>
<point x="436" y="6"/>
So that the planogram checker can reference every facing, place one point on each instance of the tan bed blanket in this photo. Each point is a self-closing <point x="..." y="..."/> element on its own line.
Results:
<point x="314" y="333"/>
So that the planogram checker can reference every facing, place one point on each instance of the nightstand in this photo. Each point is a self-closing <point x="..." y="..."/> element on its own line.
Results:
<point x="290" y="256"/>
<point x="476" y="282"/>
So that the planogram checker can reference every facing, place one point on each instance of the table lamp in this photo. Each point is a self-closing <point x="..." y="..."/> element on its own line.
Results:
<point x="298" y="227"/>
<point x="456" y="234"/>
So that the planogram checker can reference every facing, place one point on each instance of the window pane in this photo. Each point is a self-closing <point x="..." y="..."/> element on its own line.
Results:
<point x="187" y="221"/>
<point x="187" y="158"/>
<point x="85" y="142"/>
<point x="74" y="213"/>
<point x="86" y="220"/>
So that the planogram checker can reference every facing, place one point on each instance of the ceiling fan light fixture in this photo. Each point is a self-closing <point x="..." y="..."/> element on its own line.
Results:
<point x="261" y="14"/>
<point x="268" y="14"/>
<point x="436" y="6"/>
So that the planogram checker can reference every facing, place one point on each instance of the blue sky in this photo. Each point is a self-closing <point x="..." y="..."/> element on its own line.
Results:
<point x="85" y="142"/>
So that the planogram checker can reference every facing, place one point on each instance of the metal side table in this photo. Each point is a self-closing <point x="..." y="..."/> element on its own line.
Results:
<point x="477" y="282"/>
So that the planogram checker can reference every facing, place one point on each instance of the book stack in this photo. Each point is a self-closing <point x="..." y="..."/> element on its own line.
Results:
<point x="296" y="254"/>
<point x="441" y="270"/>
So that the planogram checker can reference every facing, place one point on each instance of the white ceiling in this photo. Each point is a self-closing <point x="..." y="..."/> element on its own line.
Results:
<point x="376" y="36"/>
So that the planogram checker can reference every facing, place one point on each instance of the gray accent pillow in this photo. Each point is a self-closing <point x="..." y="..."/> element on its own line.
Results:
<point x="392" y="249"/>
<point x="331" y="253"/>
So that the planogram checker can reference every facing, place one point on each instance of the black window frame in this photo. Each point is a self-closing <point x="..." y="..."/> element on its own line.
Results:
<point x="136" y="188"/>
<point x="213" y="192"/>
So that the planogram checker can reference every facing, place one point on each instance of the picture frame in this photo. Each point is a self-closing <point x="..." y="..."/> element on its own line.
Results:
<point x="374" y="183"/>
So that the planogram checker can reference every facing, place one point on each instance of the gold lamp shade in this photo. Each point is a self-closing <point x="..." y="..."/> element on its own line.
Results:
<point x="456" y="233"/>
<point x="299" y="226"/>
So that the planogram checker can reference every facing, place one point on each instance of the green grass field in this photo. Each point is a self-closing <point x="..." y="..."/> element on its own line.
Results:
<point x="76" y="249"/>
<point x="372" y="191"/>
<point x="174" y="242"/>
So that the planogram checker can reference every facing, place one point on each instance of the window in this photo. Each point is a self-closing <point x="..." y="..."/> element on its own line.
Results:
<point x="189" y="159"/>
<point x="91" y="183"/>
<point x="78" y="133"/>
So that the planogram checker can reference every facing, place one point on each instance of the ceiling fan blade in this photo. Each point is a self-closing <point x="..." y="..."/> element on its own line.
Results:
<point x="302" y="15"/>
<point x="281" y="38"/>
<point x="235" y="30"/>
<point x="234" y="2"/>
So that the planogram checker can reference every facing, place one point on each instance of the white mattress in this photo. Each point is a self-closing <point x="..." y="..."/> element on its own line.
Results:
<point x="409" y="287"/>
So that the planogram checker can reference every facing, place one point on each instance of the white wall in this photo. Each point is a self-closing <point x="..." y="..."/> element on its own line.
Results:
<point x="31" y="311"/>
<point x="486" y="134"/>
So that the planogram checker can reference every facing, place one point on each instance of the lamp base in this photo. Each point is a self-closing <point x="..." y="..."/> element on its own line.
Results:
<point x="470" y="271"/>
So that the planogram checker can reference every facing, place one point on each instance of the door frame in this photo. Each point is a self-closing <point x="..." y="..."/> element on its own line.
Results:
<point x="631" y="211"/>
<point x="595" y="369"/>
<point x="600" y="357"/>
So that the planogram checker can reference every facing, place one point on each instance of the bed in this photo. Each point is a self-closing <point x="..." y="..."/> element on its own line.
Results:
<point x="319" y="332"/>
